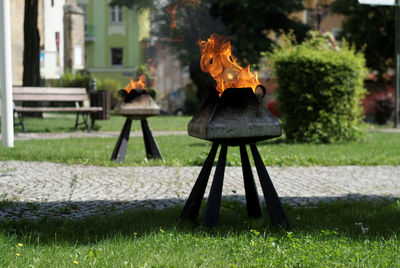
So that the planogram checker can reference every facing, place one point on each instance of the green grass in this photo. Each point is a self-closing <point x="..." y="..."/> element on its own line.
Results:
<point x="66" y="123"/>
<point x="377" y="149"/>
<point x="326" y="235"/>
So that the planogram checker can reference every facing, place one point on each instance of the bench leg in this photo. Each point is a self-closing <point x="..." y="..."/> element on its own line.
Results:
<point x="21" y="122"/>
<point x="92" y="122"/>
<point x="85" y="120"/>
<point x="77" y="121"/>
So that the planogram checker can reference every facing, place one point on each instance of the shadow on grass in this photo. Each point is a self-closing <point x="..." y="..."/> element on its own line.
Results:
<point x="348" y="218"/>
<point x="199" y="144"/>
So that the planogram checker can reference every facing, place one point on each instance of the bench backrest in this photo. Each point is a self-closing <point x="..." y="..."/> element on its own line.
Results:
<point x="49" y="94"/>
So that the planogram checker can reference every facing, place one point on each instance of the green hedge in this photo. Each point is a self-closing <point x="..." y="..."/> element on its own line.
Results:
<point x="79" y="79"/>
<point x="112" y="86"/>
<point x="85" y="79"/>
<point x="320" y="89"/>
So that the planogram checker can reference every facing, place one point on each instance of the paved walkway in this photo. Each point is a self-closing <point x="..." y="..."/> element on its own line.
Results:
<point x="93" y="134"/>
<point x="36" y="189"/>
<point x="108" y="134"/>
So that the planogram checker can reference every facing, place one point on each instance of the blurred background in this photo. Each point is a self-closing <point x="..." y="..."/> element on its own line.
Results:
<point x="101" y="44"/>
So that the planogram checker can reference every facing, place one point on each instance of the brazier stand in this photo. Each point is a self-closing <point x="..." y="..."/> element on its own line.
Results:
<point x="137" y="104"/>
<point x="152" y="150"/>
<point x="237" y="118"/>
<point x="275" y="209"/>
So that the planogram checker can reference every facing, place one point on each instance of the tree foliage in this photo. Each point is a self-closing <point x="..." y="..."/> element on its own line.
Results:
<point x="192" y="24"/>
<point x="136" y="4"/>
<point x="370" y="28"/>
<point x="249" y="24"/>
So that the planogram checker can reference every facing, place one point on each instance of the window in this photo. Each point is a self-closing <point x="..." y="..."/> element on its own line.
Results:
<point x="116" y="14"/>
<point x="117" y="56"/>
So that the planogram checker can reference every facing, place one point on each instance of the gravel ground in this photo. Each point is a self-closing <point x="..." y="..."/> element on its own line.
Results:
<point x="37" y="189"/>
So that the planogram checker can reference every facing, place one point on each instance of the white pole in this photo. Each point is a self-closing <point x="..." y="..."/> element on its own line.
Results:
<point x="7" y="118"/>
<point x="397" y="61"/>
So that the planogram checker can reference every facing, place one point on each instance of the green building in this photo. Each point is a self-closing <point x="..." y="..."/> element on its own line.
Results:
<point x="116" y="39"/>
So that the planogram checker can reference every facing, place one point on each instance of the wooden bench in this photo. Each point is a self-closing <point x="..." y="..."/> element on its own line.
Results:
<point x="54" y="94"/>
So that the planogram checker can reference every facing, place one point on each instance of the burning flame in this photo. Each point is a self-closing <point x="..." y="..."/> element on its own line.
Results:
<point x="217" y="59"/>
<point x="192" y="3"/>
<point x="139" y="84"/>
<point x="171" y="9"/>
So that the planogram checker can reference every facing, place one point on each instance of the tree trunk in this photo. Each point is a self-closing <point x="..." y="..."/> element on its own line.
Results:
<point x="31" y="73"/>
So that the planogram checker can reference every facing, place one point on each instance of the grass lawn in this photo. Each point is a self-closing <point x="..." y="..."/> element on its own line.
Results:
<point x="66" y="122"/>
<point x="377" y="149"/>
<point x="347" y="234"/>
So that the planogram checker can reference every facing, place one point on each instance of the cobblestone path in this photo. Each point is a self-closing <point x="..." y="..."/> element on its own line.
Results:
<point x="36" y="189"/>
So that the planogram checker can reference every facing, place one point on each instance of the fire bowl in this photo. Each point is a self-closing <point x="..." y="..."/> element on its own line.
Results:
<point x="237" y="117"/>
<point x="137" y="104"/>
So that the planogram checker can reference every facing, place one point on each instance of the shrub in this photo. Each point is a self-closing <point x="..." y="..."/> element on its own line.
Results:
<point x="79" y="79"/>
<point x="112" y="86"/>
<point x="320" y="89"/>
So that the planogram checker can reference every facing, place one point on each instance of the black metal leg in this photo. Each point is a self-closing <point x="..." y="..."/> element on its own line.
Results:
<point x="252" y="201"/>
<point x="211" y="214"/>
<point x="193" y="203"/>
<point x="122" y="143"/>
<point x="152" y="150"/>
<point x="21" y="121"/>
<point x="77" y="121"/>
<point x="85" y="117"/>
<point x="276" y="211"/>
<point x="92" y="122"/>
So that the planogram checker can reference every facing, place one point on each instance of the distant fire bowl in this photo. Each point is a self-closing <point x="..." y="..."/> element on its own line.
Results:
<point x="136" y="105"/>
<point x="237" y="117"/>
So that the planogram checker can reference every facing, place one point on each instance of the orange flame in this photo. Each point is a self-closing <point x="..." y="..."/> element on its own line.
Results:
<point x="192" y="3"/>
<point x="139" y="84"/>
<point x="171" y="9"/>
<point x="217" y="59"/>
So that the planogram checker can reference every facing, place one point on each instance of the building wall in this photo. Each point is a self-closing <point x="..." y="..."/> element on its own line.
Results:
<point x="170" y="80"/>
<point x="102" y="35"/>
<point x="329" y="21"/>
<point x="49" y="21"/>
<point x="52" y="63"/>
<point x="74" y="36"/>
<point x="17" y="39"/>
<point x="332" y="23"/>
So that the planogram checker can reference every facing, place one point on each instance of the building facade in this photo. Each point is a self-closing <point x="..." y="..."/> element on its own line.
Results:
<point x="319" y="16"/>
<point x="51" y="14"/>
<point x="17" y="39"/>
<point x="52" y="39"/>
<point x="116" y="39"/>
